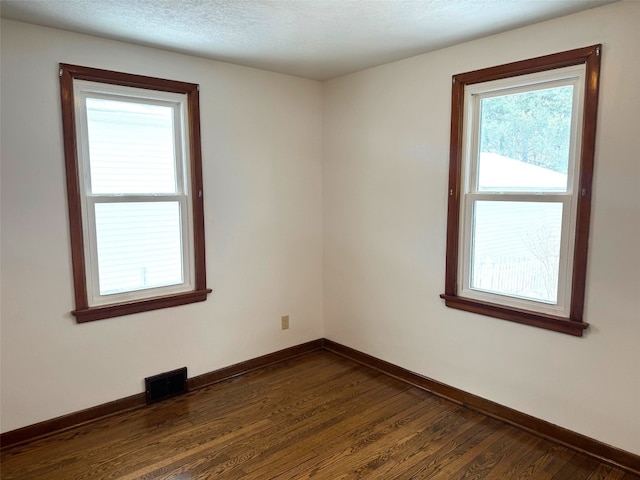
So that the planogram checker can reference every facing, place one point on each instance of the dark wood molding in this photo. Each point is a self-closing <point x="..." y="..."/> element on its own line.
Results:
<point x="197" y="188"/>
<point x="65" y="422"/>
<point x="533" y="65"/>
<point x="90" y="314"/>
<point x="583" y="214"/>
<point x="573" y="324"/>
<point x="453" y="192"/>
<point x="100" y="75"/>
<point x="541" y="320"/>
<point x="83" y="311"/>
<point x="241" y="368"/>
<point x="75" y="419"/>
<point x="73" y="187"/>
<point x="542" y="428"/>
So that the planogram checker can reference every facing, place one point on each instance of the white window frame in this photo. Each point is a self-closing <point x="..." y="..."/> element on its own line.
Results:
<point x="473" y="95"/>
<point x="178" y="103"/>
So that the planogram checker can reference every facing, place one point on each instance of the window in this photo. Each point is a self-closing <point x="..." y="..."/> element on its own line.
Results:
<point x="521" y="163"/>
<point x="134" y="184"/>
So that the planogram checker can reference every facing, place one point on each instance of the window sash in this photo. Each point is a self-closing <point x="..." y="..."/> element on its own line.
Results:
<point x="561" y="307"/>
<point x="177" y="102"/>
<point x="91" y="249"/>
<point x="473" y="95"/>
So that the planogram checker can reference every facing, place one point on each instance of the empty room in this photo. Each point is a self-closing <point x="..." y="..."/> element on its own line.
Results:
<point x="377" y="239"/>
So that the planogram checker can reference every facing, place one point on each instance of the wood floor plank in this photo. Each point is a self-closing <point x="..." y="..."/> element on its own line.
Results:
<point x="325" y="445"/>
<point x="479" y="467"/>
<point x="422" y="440"/>
<point x="318" y="416"/>
<point x="370" y="441"/>
<point x="469" y="452"/>
<point x="579" y="468"/>
<point x="602" y="472"/>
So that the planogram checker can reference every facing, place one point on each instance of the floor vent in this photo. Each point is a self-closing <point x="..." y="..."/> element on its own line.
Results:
<point x="166" y="385"/>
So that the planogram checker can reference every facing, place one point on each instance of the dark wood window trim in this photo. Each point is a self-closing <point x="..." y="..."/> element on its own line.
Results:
<point x="573" y="325"/>
<point x="83" y="312"/>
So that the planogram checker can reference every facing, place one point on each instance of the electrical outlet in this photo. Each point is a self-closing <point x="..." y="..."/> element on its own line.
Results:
<point x="285" y="322"/>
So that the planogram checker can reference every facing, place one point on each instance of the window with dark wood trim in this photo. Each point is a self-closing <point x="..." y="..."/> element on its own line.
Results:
<point x="487" y="201"/>
<point x="112" y="123"/>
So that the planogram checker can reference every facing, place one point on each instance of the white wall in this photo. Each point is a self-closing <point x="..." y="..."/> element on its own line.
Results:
<point x="261" y="145"/>
<point x="386" y="135"/>
<point x="386" y="146"/>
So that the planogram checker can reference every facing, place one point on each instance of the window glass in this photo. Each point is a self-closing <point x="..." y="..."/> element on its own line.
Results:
<point x="525" y="140"/>
<point x="139" y="245"/>
<point x="131" y="147"/>
<point x="516" y="249"/>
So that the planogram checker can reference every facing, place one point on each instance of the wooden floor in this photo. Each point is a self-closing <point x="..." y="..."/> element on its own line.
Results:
<point x="318" y="416"/>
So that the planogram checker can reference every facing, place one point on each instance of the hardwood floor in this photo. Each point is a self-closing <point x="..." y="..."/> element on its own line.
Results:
<point x="317" y="416"/>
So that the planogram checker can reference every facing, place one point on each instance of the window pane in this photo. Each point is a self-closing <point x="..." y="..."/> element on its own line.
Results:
<point x="516" y="249"/>
<point x="131" y="147"/>
<point x="139" y="245"/>
<point x="525" y="139"/>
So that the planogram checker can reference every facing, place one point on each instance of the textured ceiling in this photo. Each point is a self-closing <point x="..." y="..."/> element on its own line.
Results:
<point x="316" y="39"/>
